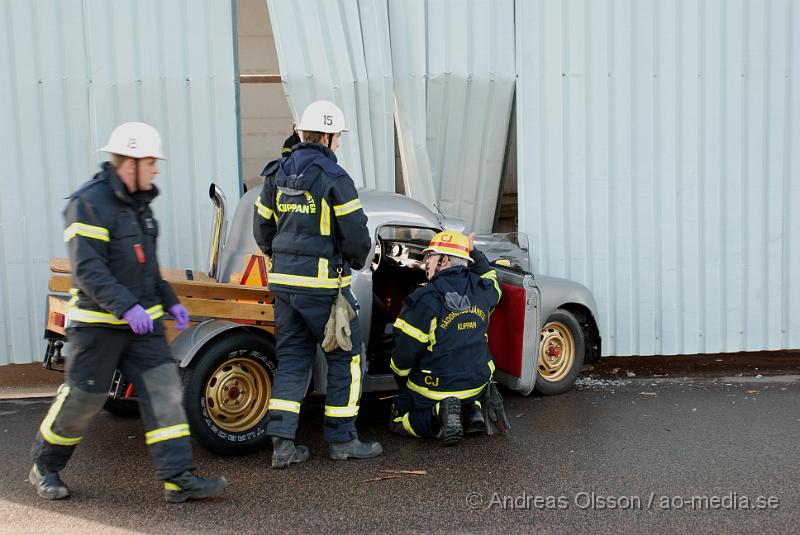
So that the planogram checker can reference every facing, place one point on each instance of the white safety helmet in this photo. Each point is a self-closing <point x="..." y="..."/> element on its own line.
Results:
<point x="135" y="140"/>
<point x="322" y="116"/>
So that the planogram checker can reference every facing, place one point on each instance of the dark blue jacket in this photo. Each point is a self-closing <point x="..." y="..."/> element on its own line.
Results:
<point x="441" y="346"/>
<point x="309" y="221"/>
<point x="111" y="238"/>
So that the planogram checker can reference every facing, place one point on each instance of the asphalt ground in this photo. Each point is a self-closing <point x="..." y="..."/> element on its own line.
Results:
<point x="714" y="452"/>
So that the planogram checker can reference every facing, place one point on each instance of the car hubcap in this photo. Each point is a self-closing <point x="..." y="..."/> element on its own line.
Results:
<point x="556" y="352"/>
<point x="237" y="394"/>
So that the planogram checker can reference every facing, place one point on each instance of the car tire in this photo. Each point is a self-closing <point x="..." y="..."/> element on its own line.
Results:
<point x="561" y="350"/>
<point x="226" y="393"/>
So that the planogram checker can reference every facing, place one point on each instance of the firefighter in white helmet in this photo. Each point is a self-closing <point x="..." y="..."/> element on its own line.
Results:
<point x="115" y="321"/>
<point x="309" y="221"/>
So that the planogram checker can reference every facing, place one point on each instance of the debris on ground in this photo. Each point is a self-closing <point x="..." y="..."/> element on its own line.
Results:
<point x="648" y="393"/>
<point x="396" y="474"/>
<point x="753" y="392"/>
<point x="630" y="374"/>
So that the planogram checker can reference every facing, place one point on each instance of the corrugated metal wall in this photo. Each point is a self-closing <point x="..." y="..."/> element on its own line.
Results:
<point x="339" y="51"/>
<point x="445" y="68"/>
<point x="70" y="71"/>
<point x="657" y="145"/>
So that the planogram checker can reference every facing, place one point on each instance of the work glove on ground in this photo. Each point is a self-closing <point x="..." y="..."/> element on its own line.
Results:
<point x="494" y="412"/>
<point x="139" y="320"/>
<point x="181" y="316"/>
<point x="337" y="329"/>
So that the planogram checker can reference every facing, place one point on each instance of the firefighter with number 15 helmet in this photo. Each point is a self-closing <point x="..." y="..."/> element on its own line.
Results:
<point x="115" y="322"/>
<point x="309" y="221"/>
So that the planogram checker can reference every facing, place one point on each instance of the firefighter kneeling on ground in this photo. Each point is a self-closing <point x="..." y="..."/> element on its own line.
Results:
<point x="442" y="361"/>
<point x="115" y="321"/>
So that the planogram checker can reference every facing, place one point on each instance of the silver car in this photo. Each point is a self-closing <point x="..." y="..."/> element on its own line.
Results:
<point x="541" y="333"/>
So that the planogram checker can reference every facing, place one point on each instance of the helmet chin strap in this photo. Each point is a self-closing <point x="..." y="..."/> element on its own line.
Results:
<point x="330" y="140"/>
<point x="137" y="183"/>
<point x="439" y="264"/>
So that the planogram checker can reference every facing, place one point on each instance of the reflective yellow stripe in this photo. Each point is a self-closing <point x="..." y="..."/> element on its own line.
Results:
<point x="412" y="331"/>
<point x="491" y="366"/>
<point x="166" y="433"/>
<point x="351" y="409"/>
<point x="346" y="208"/>
<point x="341" y="412"/>
<point x="93" y="316"/>
<point x="406" y="424"/>
<point x="263" y="211"/>
<point x="493" y="276"/>
<point x="432" y="334"/>
<point x="47" y="424"/>
<point x="284" y="405"/>
<point x="355" y="381"/>
<point x="322" y="268"/>
<point x="433" y="394"/>
<point x="306" y="282"/>
<point x="325" y="218"/>
<point x="398" y="371"/>
<point x="88" y="231"/>
<point x="172" y="486"/>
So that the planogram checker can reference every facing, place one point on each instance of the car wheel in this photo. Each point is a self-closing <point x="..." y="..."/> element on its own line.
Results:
<point x="226" y="393"/>
<point x="561" y="350"/>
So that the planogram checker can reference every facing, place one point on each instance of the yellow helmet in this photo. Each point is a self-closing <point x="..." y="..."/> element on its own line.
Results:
<point x="451" y="243"/>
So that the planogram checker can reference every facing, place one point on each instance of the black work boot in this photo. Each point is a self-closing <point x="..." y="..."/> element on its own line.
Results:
<point x="48" y="485"/>
<point x="449" y="416"/>
<point x="284" y="453"/>
<point x="354" y="449"/>
<point x="473" y="419"/>
<point x="187" y="486"/>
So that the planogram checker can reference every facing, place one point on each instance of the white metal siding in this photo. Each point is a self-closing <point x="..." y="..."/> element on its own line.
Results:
<point x="446" y="69"/>
<point x="656" y="143"/>
<point x="70" y="71"/>
<point x="339" y="51"/>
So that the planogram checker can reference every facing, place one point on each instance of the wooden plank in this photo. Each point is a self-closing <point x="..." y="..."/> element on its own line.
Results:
<point x="60" y="265"/>
<point x="232" y="310"/>
<point x="260" y="79"/>
<point x="203" y="290"/>
<point x="63" y="265"/>
<point x="59" y="283"/>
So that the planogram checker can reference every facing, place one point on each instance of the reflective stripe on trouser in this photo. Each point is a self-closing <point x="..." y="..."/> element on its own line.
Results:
<point x="412" y="413"/>
<point x="299" y="326"/>
<point x="145" y="361"/>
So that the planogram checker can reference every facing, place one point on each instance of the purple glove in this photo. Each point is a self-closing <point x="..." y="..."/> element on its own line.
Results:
<point x="139" y="320"/>
<point x="181" y="316"/>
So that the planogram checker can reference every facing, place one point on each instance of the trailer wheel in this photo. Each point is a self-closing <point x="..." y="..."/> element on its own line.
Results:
<point x="127" y="408"/>
<point x="227" y="390"/>
<point x="561" y="350"/>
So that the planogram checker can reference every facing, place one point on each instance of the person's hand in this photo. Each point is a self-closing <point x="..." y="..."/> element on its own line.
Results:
<point x="471" y="238"/>
<point x="139" y="320"/>
<point x="181" y="316"/>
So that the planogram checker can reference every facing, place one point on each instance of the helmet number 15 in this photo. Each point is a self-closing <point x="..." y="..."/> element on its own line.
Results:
<point x="327" y="120"/>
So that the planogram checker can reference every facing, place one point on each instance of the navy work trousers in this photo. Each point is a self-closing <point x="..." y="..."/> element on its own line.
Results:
<point x="145" y="360"/>
<point x="299" y="327"/>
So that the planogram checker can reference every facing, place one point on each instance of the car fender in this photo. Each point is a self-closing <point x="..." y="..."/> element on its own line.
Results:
<point x="189" y="342"/>
<point x="556" y="292"/>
